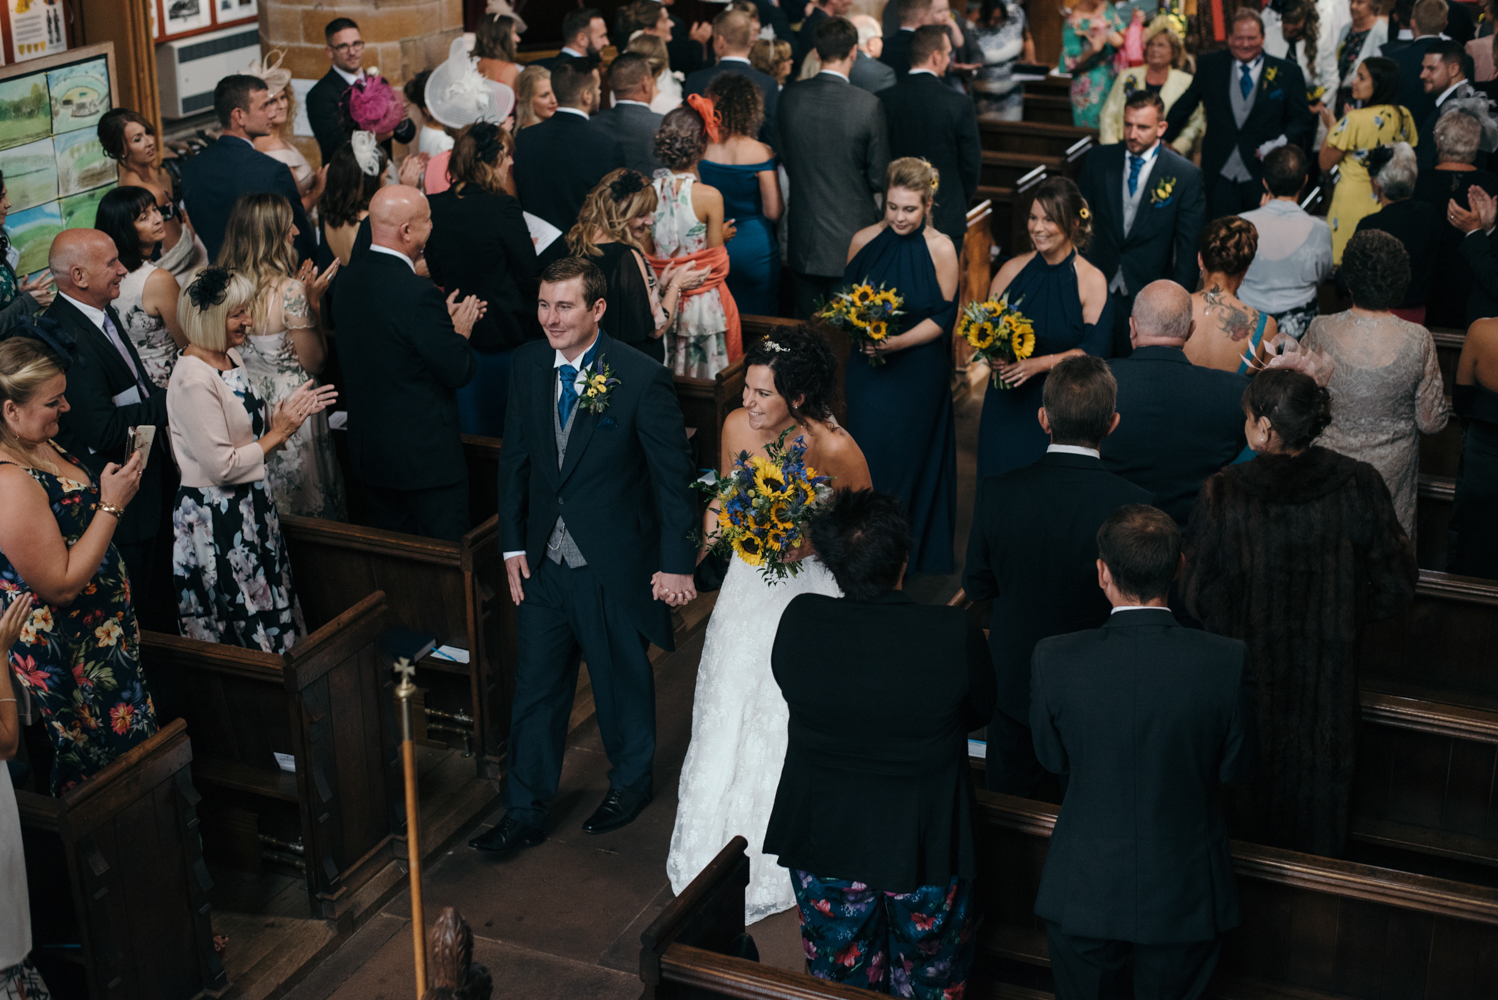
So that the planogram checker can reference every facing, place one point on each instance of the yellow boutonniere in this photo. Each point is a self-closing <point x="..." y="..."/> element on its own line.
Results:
<point x="1163" y="191"/>
<point x="1271" y="73"/>
<point x="598" y="385"/>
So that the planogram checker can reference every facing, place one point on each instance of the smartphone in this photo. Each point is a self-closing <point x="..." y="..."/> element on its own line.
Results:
<point x="141" y="440"/>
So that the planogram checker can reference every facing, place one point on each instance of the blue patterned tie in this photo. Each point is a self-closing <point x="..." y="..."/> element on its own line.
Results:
<point x="1246" y="85"/>
<point x="1136" y="163"/>
<point x="568" y="399"/>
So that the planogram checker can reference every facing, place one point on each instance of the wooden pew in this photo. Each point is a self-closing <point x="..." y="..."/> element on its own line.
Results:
<point x="1065" y="141"/>
<point x="118" y="890"/>
<point x="454" y="591"/>
<point x="1003" y="169"/>
<point x="1440" y="453"/>
<point x="1446" y="643"/>
<point x="1312" y="928"/>
<point x="1049" y="109"/>
<point x="329" y="706"/>
<point x="705" y="402"/>
<point x="1433" y="520"/>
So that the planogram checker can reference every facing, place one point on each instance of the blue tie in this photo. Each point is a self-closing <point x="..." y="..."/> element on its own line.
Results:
<point x="568" y="399"/>
<point x="1136" y="163"/>
<point x="1246" y="85"/>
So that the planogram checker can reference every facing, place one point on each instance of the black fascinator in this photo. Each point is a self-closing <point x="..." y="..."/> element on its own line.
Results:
<point x="49" y="332"/>
<point x="626" y="184"/>
<point x="209" y="288"/>
<point x="486" y="144"/>
<point x="1377" y="158"/>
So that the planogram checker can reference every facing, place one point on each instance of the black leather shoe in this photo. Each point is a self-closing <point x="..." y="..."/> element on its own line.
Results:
<point x="508" y="835"/>
<point x="619" y="808"/>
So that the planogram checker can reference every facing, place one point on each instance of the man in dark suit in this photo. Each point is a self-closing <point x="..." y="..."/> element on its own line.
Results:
<point x="836" y="152"/>
<point x="1042" y="580"/>
<point x="732" y="41"/>
<point x="594" y="501"/>
<point x="1148" y="719"/>
<point x="1253" y="102"/>
<point x="405" y="354"/>
<point x="928" y="119"/>
<point x="1179" y="422"/>
<point x="816" y="13"/>
<point x="868" y="72"/>
<point x="109" y="393"/>
<point x="874" y="798"/>
<point x="1428" y="21"/>
<point x="560" y="160"/>
<point x="1149" y="207"/>
<point x="630" y="120"/>
<point x="345" y="49"/>
<point x="585" y="34"/>
<point x="213" y="180"/>
<point x="1443" y="74"/>
<point x="912" y="14"/>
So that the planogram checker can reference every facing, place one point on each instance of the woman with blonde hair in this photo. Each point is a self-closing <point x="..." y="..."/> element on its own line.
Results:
<point x="284" y="347"/>
<point x="229" y="563"/>
<point x="667" y="83"/>
<point x="309" y="182"/>
<point x="534" y="100"/>
<point x="900" y="412"/>
<point x="495" y="44"/>
<point x="611" y="229"/>
<point x="1164" y="54"/>
<point x="773" y="58"/>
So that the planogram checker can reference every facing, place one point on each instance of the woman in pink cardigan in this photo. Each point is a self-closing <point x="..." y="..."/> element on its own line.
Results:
<point x="229" y="564"/>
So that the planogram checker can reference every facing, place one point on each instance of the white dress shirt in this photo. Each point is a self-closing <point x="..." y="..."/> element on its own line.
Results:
<point x="574" y="111"/>
<point x="1139" y="607"/>
<point x="349" y="78"/>
<point x="1073" y="449"/>
<point x="832" y="72"/>
<point x="394" y="253"/>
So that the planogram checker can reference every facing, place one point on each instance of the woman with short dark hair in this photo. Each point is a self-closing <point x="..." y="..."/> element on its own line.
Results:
<point x="1294" y="553"/>
<point x="1387" y="387"/>
<point x="148" y="294"/>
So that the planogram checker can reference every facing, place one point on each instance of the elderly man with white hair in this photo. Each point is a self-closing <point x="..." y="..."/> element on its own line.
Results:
<point x="868" y="72"/>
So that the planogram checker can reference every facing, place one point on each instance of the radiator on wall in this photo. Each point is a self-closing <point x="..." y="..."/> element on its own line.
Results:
<point x="189" y="68"/>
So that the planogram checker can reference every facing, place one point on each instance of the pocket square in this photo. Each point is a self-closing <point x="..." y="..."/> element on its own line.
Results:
<point x="606" y="422"/>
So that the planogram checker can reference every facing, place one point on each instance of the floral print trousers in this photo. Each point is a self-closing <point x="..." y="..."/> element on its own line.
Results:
<point x="905" y="944"/>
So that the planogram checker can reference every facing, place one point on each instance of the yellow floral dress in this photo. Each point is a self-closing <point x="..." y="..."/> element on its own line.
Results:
<point x="1359" y="131"/>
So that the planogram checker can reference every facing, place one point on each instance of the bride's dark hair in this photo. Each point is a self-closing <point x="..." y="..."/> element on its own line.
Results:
<point x="803" y="365"/>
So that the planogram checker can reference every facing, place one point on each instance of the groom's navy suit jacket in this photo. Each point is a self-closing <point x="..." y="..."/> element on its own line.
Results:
<point x="624" y="488"/>
<point x="1162" y="241"/>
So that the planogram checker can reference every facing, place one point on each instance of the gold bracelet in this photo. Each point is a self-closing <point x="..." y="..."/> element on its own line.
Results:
<point x="109" y="508"/>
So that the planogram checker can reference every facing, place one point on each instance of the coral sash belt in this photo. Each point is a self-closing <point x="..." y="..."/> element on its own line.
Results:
<point x="717" y="259"/>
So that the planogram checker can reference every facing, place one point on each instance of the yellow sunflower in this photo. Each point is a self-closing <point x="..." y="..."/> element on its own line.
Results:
<point x="858" y="321"/>
<point x="888" y="297"/>
<point x="1022" y="344"/>
<point x="769" y="481"/>
<point x="980" y="335"/>
<point x="878" y="329"/>
<point x="780" y="514"/>
<point x="750" y="549"/>
<point x="863" y="294"/>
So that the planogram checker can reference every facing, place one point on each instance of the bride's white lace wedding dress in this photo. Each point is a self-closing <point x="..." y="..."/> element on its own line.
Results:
<point x="739" y="720"/>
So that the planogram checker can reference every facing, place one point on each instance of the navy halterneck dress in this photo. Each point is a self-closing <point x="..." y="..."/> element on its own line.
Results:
<point x="900" y="413"/>
<point x="1010" y="436"/>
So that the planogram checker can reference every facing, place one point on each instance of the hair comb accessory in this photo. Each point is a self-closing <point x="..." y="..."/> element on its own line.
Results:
<point x="712" y="122"/>
<point x="49" y="332"/>
<point x="209" y="288"/>
<point x="771" y="345"/>
<point x="1287" y="352"/>
<point x="625" y="185"/>
<point x="500" y="8"/>
<point x="366" y="152"/>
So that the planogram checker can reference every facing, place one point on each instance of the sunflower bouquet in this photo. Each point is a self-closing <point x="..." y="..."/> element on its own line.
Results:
<point x="997" y="331"/>
<point x="764" y="505"/>
<point x="866" y="314"/>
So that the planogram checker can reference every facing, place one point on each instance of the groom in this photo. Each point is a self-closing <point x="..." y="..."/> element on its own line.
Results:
<point x="595" y="511"/>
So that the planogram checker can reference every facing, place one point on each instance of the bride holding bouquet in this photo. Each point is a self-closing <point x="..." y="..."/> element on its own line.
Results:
<point x="739" y="718"/>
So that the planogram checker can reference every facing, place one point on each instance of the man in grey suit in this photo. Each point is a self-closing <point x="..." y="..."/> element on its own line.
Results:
<point x="630" y="120"/>
<point x="868" y="72"/>
<point x="836" y="151"/>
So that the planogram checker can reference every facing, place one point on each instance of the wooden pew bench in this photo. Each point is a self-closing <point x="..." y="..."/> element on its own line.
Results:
<point x="1446" y="644"/>
<point x="1433" y="520"/>
<point x="1050" y="109"/>
<point x="1068" y="142"/>
<point x="118" y="890"/>
<point x="328" y="706"/>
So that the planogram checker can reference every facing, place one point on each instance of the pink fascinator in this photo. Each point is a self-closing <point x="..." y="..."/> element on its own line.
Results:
<point x="374" y="105"/>
<point x="1287" y="352"/>
<point x="712" y="122"/>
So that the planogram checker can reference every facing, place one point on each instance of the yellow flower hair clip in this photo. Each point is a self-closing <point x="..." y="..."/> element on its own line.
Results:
<point x="1084" y="214"/>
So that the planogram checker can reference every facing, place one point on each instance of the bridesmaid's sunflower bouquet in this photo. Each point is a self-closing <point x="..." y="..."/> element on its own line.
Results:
<point x="864" y="313"/>
<point x="764" y="505"/>
<point x="997" y="330"/>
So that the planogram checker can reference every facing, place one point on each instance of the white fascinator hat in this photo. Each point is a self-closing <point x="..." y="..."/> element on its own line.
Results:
<point x="457" y="94"/>
<point x="274" y="76"/>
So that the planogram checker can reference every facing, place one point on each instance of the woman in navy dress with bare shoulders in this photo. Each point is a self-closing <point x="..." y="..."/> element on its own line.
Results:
<point x="900" y="412"/>
<point x="1067" y="299"/>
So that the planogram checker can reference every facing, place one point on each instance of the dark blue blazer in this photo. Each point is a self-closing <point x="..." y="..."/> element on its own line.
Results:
<point x="329" y="125"/>
<point x="698" y="81"/>
<point x="1181" y="423"/>
<point x="558" y="161"/>
<point x="214" y="180"/>
<point x="1148" y="719"/>
<point x="1411" y="93"/>
<point x="928" y="119"/>
<point x="896" y="52"/>
<point x="1280" y="108"/>
<point x="1162" y="241"/>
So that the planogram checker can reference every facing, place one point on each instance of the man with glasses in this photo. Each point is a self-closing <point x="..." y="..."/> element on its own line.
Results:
<point x="346" y="52"/>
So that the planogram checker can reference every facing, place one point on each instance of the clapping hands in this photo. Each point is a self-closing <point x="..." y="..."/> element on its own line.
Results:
<point x="316" y="284"/>
<point x="1483" y="213"/>
<point x="292" y="411"/>
<point x="413" y="168"/>
<point x="40" y="288"/>
<point x="466" y="313"/>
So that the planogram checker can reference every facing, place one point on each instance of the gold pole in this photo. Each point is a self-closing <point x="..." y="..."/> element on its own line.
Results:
<point x="404" y="691"/>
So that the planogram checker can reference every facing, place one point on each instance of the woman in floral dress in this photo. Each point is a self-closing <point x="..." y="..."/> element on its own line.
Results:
<point x="148" y="294"/>
<point x="229" y="563"/>
<point x="77" y="655"/>
<point x="1091" y="36"/>
<point x="1004" y="37"/>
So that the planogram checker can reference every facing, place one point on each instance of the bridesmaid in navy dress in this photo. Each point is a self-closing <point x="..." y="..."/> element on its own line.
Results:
<point x="1067" y="298"/>
<point x="900" y="412"/>
<point x="744" y="169"/>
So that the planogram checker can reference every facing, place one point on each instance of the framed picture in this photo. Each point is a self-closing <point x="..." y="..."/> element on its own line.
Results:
<point x="79" y="94"/>
<point x="31" y="232"/>
<point x="25" y="110"/>
<point x="30" y="174"/>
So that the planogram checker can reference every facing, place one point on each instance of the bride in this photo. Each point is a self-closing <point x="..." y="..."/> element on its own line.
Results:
<point x="739" y="719"/>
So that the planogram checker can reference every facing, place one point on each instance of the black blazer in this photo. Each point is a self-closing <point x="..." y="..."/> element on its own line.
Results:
<point x="882" y="694"/>
<point x="634" y="126"/>
<point x="558" y="161"/>
<point x="402" y="366"/>
<point x="1148" y="719"/>
<point x="1417" y="225"/>
<point x="1280" y="108"/>
<point x="624" y="486"/>
<point x="480" y="246"/>
<point x="1042" y="579"/>
<point x="896" y="52"/>
<point x="328" y="122"/>
<point x="96" y="431"/>
<point x="1162" y="242"/>
<point x="806" y="38"/>
<point x="1411" y="93"/>
<point x="1180" y="424"/>
<point x="1480" y="254"/>
<point x="213" y="180"/>
<point x="698" y="81"/>
<point x="1425" y="152"/>
<point x="1452" y="282"/>
<point x="686" y="54"/>
<point x="927" y="118"/>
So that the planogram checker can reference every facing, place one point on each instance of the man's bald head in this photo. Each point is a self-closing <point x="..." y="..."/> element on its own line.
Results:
<point x="86" y="266"/>
<point x="1162" y="315"/>
<point x="400" y="219"/>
